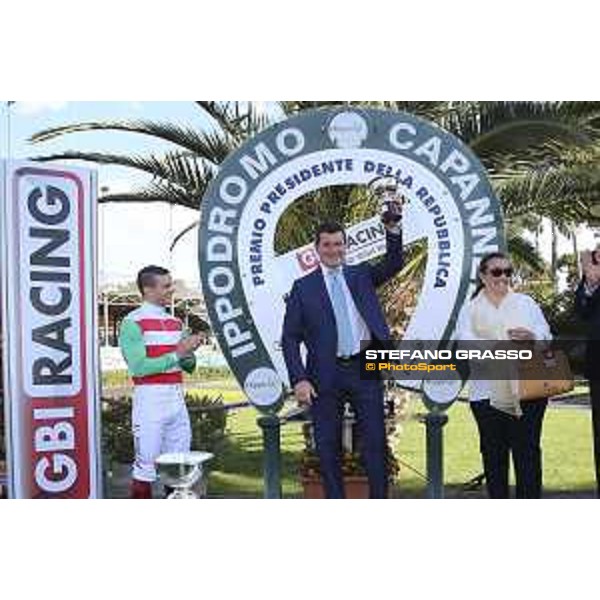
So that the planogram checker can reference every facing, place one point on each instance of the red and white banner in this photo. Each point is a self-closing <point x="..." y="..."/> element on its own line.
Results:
<point x="50" y="331"/>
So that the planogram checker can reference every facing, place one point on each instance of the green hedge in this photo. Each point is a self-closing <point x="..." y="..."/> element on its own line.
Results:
<point x="201" y="374"/>
<point x="208" y="419"/>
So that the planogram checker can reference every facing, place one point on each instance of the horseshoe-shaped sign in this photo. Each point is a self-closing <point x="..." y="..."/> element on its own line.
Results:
<point x="450" y="204"/>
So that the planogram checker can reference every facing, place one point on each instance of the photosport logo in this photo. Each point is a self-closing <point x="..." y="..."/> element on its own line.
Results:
<point x="451" y="207"/>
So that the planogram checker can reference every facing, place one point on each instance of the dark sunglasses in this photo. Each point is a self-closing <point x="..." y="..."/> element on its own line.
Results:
<point x="498" y="272"/>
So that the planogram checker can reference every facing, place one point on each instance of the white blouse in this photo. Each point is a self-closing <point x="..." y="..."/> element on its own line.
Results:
<point x="515" y="310"/>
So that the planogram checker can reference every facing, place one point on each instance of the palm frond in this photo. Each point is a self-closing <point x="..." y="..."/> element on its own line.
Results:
<point x="226" y="117"/>
<point x="212" y="146"/>
<point x="155" y="192"/>
<point x="524" y="255"/>
<point x="184" y="170"/>
<point x="435" y="111"/>
<point x="257" y="119"/>
<point x="485" y="125"/>
<point x="292" y="107"/>
<point x="563" y="195"/>
<point x="178" y="237"/>
<point x="431" y="110"/>
<point x="415" y="264"/>
<point x="239" y="120"/>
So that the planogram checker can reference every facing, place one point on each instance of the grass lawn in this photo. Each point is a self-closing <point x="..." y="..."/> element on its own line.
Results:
<point x="230" y="392"/>
<point x="238" y="472"/>
<point x="566" y="442"/>
<point x="568" y="464"/>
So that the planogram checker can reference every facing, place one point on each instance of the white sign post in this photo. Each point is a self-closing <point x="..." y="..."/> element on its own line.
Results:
<point x="451" y="205"/>
<point x="51" y="376"/>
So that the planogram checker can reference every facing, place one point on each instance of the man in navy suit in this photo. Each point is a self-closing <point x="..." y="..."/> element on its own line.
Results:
<point x="331" y="311"/>
<point x="587" y="307"/>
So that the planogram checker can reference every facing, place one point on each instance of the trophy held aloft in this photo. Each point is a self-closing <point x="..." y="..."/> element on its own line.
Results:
<point x="386" y="191"/>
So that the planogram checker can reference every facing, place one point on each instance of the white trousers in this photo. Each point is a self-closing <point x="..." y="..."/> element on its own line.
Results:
<point x="161" y="424"/>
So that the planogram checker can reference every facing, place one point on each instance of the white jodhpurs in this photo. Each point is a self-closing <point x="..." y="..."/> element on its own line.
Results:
<point x="161" y="424"/>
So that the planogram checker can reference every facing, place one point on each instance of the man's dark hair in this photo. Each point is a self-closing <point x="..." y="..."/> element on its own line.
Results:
<point x="328" y="227"/>
<point x="146" y="277"/>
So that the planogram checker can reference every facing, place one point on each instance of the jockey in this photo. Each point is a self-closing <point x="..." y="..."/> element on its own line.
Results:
<point x="156" y="352"/>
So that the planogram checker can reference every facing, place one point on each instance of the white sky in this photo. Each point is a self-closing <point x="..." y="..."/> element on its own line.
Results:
<point x="130" y="235"/>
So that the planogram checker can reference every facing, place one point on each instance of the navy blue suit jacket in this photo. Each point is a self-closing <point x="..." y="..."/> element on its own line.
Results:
<point x="588" y="310"/>
<point x="309" y="317"/>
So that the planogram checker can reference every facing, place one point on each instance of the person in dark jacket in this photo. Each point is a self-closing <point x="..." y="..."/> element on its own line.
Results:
<point x="331" y="311"/>
<point x="587" y="306"/>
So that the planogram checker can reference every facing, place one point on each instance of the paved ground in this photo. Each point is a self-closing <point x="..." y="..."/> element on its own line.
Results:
<point x="118" y="488"/>
<point x="117" y="485"/>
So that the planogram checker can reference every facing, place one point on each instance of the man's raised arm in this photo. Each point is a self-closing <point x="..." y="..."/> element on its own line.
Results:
<point x="393" y="261"/>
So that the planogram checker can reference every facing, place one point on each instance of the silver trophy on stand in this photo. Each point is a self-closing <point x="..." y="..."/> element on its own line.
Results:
<point x="386" y="191"/>
<point x="181" y="471"/>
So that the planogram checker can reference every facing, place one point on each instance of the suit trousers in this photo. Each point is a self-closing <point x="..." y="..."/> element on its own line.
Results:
<point x="366" y="398"/>
<point x="501" y="434"/>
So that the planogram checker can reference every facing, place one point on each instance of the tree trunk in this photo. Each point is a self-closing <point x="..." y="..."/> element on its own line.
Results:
<point x="554" y="255"/>
<point x="576" y="253"/>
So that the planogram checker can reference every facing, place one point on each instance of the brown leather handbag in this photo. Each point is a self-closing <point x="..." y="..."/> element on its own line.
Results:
<point x="547" y="374"/>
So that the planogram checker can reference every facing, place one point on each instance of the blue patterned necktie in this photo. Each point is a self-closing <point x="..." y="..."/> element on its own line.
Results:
<point x="342" y="315"/>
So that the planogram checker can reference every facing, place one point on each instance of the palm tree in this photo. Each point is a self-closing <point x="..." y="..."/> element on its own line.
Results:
<point x="542" y="158"/>
<point x="180" y="175"/>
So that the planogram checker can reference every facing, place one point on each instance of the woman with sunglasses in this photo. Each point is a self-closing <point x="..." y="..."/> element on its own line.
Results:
<point x="506" y="425"/>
